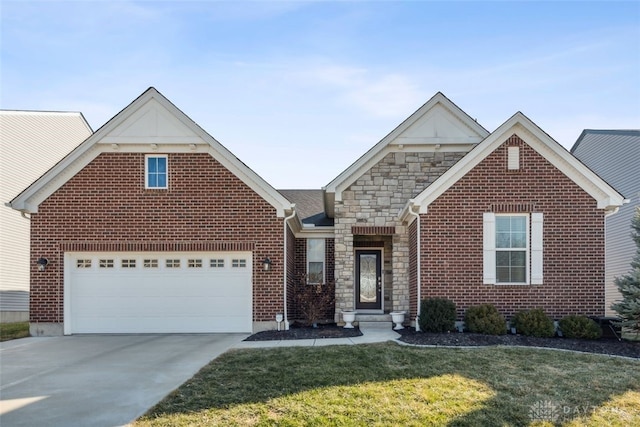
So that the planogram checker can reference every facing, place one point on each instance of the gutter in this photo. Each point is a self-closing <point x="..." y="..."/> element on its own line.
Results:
<point x="284" y="273"/>
<point x="609" y="212"/>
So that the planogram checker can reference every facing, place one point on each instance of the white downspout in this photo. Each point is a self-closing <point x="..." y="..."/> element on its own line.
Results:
<point x="411" y="212"/>
<point x="284" y="274"/>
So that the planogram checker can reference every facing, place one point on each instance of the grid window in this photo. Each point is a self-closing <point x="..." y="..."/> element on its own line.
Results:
<point x="238" y="263"/>
<point x="156" y="172"/>
<point x="216" y="263"/>
<point x="194" y="263"/>
<point x="172" y="263"/>
<point x="150" y="263"/>
<point x="106" y="263"/>
<point x="511" y="249"/>
<point x="83" y="263"/>
<point x="128" y="263"/>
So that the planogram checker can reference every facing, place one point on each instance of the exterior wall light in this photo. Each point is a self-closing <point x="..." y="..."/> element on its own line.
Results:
<point x="42" y="263"/>
<point x="266" y="264"/>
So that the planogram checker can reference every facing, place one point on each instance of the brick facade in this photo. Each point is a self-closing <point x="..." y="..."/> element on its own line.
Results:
<point x="300" y="271"/>
<point x="452" y="238"/>
<point x="105" y="207"/>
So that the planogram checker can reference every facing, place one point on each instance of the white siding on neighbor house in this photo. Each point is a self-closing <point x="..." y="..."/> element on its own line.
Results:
<point x="615" y="156"/>
<point x="31" y="142"/>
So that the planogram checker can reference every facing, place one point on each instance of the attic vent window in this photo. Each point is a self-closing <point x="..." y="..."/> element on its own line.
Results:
<point x="513" y="158"/>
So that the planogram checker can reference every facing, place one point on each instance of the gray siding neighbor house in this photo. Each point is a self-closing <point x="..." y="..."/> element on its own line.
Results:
<point x="615" y="156"/>
<point x="31" y="142"/>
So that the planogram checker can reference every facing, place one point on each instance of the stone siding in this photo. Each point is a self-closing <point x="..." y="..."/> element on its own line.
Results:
<point x="376" y="199"/>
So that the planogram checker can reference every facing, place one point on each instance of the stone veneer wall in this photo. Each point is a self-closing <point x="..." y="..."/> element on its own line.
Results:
<point x="376" y="199"/>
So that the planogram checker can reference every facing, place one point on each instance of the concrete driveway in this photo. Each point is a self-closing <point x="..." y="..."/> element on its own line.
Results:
<point x="97" y="380"/>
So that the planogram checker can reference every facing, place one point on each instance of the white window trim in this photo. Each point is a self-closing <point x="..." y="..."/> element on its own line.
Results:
<point x="324" y="262"/>
<point x="146" y="171"/>
<point x="534" y="249"/>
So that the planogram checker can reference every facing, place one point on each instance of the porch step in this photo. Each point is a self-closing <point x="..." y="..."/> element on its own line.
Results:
<point x="373" y="318"/>
<point x="374" y="325"/>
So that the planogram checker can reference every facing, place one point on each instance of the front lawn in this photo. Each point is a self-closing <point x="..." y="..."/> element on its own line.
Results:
<point x="388" y="384"/>
<point x="12" y="331"/>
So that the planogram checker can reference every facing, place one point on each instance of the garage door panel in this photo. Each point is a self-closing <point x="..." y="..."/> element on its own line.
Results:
<point x="129" y="297"/>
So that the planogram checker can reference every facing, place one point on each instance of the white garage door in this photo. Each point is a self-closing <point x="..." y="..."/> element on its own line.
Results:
<point x="167" y="292"/>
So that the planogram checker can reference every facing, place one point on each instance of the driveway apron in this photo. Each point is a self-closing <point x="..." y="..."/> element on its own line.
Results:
<point x="97" y="380"/>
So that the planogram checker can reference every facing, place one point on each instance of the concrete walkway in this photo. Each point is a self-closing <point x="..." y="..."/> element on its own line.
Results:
<point x="371" y="333"/>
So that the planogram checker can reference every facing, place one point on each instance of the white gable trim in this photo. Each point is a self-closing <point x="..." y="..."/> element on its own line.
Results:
<point x="168" y="129"/>
<point x="399" y="140"/>
<point x="607" y="198"/>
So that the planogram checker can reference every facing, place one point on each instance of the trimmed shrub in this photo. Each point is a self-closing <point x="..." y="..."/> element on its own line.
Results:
<point x="485" y="319"/>
<point x="437" y="315"/>
<point x="533" y="323"/>
<point x="580" y="327"/>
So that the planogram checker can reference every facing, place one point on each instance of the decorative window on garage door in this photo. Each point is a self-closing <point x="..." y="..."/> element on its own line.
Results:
<point x="150" y="263"/>
<point x="194" y="263"/>
<point x="238" y="263"/>
<point x="172" y="263"/>
<point x="216" y="263"/>
<point x="128" y="263"/>
<point x="106" y="263"/>
<point x="83" y="263"/>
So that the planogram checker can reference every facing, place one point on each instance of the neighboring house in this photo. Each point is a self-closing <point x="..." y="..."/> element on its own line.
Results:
<point x="151" y="225"/>
<point x="615" y="156"/>
<point x="31" y="142"/>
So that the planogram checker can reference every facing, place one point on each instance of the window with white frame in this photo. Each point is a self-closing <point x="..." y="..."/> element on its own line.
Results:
<point x="315" y="260"/>
<point x="513" y="248"/>
<point x="156" y="172"/>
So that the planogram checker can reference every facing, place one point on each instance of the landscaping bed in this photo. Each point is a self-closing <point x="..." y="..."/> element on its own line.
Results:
<point x="299" y="332"/>
<point x="610" y="346"/>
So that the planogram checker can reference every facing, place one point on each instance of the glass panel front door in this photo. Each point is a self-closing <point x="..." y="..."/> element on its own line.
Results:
<point x="368" y="279"/>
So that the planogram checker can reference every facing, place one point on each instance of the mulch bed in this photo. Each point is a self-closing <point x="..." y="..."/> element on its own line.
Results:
<point x="610" y="346"/>
<point x="297" y="332"/>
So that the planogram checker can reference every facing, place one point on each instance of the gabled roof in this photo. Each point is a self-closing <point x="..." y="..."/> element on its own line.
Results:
<point x="151" y="123"/>
<point x="606" y="196"/>
<point x="438" y="122"/>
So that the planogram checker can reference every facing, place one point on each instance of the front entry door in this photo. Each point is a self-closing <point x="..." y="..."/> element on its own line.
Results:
<point x="369" y="279"/>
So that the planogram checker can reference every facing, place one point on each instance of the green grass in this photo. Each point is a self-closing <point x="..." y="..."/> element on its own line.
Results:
<point x="388" y="384"/>
<point x="12" y="331"/>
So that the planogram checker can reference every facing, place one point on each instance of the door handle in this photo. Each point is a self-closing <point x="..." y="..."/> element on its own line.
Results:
<point x="379" y="283"/>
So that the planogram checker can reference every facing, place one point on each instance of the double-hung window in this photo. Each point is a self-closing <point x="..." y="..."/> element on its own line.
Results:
<point x="513" y="249"/>
<point x="315" y="261"/>
<point x="156" y="172"/>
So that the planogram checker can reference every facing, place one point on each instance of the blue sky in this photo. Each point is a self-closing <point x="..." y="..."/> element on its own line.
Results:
<point x="300" y="90"/>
